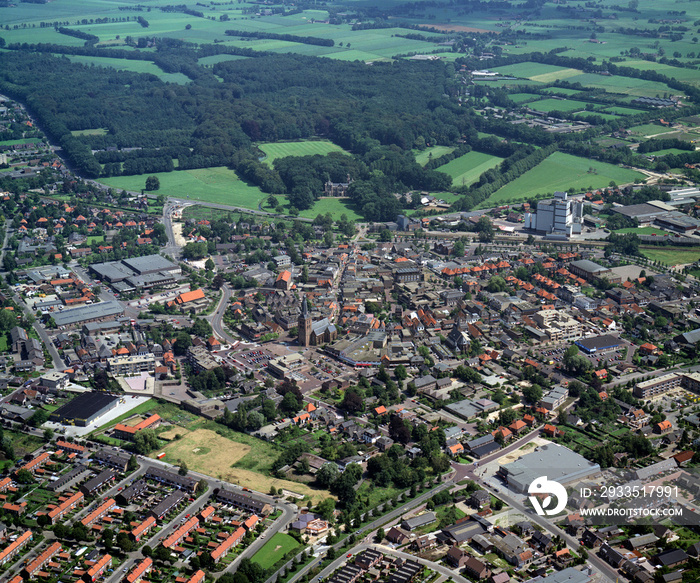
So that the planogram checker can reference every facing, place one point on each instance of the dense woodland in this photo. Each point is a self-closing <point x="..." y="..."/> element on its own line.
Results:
<point x="378" y="113"/>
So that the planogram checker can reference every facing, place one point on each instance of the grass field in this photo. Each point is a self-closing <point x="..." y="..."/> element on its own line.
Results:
<point x="276" y="150"/>
<point x="131" y="65"/>
<point x="671" y="256"/>
<point x="519" y="98"/>
<point x="466" y="169"/>
<point x="561" y="172"/>
<point x="217" y="451"/>
<point x="92" y="132"/>
<point x="22" y="141"/>
<point x="274" y="549"/>
<point x="643" y="231"/>
<point x="650" y="129"/>
<point x="424" y="156"/>
<point x="538" y="72"/>
<point x="335" y="206"/>
<point x="218" y="185"/>
<point x="547" y="105"/>
<point x="23" y="443"/>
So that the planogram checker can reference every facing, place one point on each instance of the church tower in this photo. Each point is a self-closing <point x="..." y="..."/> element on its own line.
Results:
<point x="304" y="325"/>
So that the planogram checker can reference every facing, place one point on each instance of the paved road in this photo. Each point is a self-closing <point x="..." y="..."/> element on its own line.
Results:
<point x="216" y="317"/>
<point x="442" y="569"/>
<point x="372" y="526"/>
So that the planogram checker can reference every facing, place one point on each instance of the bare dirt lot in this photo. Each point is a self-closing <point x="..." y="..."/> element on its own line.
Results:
<point x="207" y="452"/>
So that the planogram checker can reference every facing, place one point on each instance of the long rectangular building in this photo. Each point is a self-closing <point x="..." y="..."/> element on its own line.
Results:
<point x="172" y="479"/>
<point x="223" y="549"/>
<point x="244" y="501"/>
<point x="15" y="547"/>
<point x="84" y="408"/>
<point x="113" y="460"/>
<point x="99" y="512"/>
<point x="42" y="559"/>
<point x="66" y="506"/>
<point x="98" y="568"/>
<point x="167" y="504"/>
<point x="33" y="465"/>
<point x="127" y="432"/>
<point x="181" y="532"/>
<point x="139" y="571"/>
<point x="143" y="528"/>
<point x="93" y="485"/>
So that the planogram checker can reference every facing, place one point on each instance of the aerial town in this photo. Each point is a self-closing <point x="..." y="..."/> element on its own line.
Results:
<point x="194" y="392"/>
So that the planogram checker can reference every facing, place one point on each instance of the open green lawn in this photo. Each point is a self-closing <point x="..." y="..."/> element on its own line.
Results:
<point x="644" y="231"/>
<point x="650" y="129"/>
<point x="92" y="132"/>
<point x="304" y="148"/>
<point x="538" y="72"/>
<point x="335" y="206"/>
<point x="547" y="105"/>
<point x="218" y="185"/>
<point x="21" y="141"/>
<point x="560" y="172"/>
<point x="274" y="549"/>
<point x="522" y="97"/>
<point x="95" y="239"/>
<point x="671" y="256"/>
<point x="23" y="443"/>
<point x="466" y="169"/>
<point x="424" y="156"/>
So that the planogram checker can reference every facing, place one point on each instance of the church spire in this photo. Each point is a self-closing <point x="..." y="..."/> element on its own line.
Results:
<point x="304" y="309"/>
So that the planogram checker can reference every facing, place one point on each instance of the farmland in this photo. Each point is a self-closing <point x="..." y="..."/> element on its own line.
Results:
<point x="218" y="185"/>
<point x="276" y="150"/>
<point x="466" y="169"/>
<point x="561" y="172"/>
<point x="547" y="105"/>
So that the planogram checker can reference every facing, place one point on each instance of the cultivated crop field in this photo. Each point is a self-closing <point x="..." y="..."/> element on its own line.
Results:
<point x="466" y="169"/>
<point x="560" y="172"/>
<point x="304" y="148"/>
<point x="219" y="185"/>
<point x="131" y="65"/>
<point x="538" y="72"/>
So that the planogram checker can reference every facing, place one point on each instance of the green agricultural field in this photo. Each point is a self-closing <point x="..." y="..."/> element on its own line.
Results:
<point x="667" y="151"/>
<point x="560" y="172"/>
<point x="466" y="169"/>
<point x="607" y="116"/>
<point x="563" y="91"/>
<point x="623" y="110"/>
<point x="538" y="72"/>
<point x="649" y="129"/>
<point x="276" y="150"/>
<point x="274" y="549"/>
<point x="519" y="98"/>
<point x="424" y="156"/>
<point x="131" y="65"/>
<point x="335" y="206"/>
<point x="566" y="105"/>
<point x="218" y="185"/>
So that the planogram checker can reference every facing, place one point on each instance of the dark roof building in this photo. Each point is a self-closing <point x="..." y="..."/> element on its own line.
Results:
<point x="84" y="408"/>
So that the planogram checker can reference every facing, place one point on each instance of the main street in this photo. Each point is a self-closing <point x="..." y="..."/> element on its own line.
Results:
<point x="216" y="317"/>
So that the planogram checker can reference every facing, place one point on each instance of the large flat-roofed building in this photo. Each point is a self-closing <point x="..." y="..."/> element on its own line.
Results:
<point x="559" y="216"/>
<point x="151" y="264"/>
<point x="588" y="270"/>
<point x="557" y="462"/>
<point x="131" y="365"/>
<point x="599" y="343"/>
<point x="283" y="366"/>
<point x="91" y="313"/>
<point x="111" y="271"/>
<point x="662" y="384"/>
<point x="84" y="409"/>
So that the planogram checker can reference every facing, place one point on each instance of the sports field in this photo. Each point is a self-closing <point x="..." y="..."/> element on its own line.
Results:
<point x="218" y="185"/>
<point x="671" y="256"/>
<point x="466" y="169"/>
<point x="274" y="549"/>
<point x="538" y="72"/>
<point x="560" y="172"/>
<point x="424" y="156"/>
<point x="305" y="148"/>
